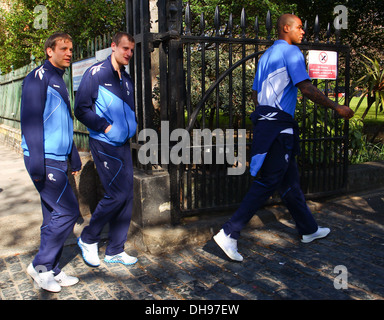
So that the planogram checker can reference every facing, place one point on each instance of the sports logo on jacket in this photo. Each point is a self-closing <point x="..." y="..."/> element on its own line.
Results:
<point x="40" y="72"/>
<point x="126" y="84"/>
<point x="95" y="69"/>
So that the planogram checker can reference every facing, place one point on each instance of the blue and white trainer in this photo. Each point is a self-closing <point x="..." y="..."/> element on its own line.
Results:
<point x="89" y="252"/>
<point x="122" y="257"/>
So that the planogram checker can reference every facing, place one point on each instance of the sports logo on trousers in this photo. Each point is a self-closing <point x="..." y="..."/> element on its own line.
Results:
<point x="106" y="165"/>
<point x="51" y="177"/>
<point x="286" y="157"/>
<point x="269" y="116"/>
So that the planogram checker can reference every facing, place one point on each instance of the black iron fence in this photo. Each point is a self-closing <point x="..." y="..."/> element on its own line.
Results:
<point x="203" y="86"/>
<point x="193" y="90"/>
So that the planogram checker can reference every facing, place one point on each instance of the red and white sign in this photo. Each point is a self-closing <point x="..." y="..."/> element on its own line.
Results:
<point x="322" y="64"/>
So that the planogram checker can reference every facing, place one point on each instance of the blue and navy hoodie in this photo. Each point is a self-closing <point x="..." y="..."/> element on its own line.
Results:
<point x="268" y="123"/>
<point x="46" y="120"/>
<point x="103" y="99"/>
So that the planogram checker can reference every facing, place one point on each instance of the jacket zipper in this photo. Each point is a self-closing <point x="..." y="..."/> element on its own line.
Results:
<point x="125" y="114"/>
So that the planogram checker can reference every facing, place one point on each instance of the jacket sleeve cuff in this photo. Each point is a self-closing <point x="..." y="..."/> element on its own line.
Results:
<point x="74" y="159"/>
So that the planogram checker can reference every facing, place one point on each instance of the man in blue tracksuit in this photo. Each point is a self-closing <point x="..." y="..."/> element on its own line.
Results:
<point x="105" y="104"/>
<point x="280" y="71"/>
<point x="47" y="143"/>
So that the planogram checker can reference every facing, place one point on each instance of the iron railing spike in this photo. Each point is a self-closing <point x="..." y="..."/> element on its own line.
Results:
<point x="256" y="27"/>
<point x="217" y="20"/>
<point x="317" y="28"/>
<point x="243" y="22"/>
<point x="202" y="24"/>
<point x="230" y="24"/>
<point x="188" y="21"/>
<point x="268" y="25"/>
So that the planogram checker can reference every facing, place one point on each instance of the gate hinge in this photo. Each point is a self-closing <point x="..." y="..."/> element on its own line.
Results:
<point x="157" y="38"/>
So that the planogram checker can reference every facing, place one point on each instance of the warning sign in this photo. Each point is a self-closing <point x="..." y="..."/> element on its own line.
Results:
<point x="322" y="64"/>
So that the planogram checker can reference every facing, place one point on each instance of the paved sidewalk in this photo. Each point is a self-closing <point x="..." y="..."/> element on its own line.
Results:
<point x="276" y="264"/>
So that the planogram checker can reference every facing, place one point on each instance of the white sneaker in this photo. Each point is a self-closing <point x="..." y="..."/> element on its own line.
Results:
<point x="121" y="258"/>
<point x="89" y="252"/>
<point x="44" y="280"/>
<point x="320" y="233"/>
<point x="228" y="245"/>
<point x="64" y="280"/>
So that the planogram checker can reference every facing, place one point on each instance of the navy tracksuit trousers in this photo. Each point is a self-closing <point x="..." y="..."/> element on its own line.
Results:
<point x="278" y="172"/>
<point x="60" y="213"/>
<point x="115" y="169"/>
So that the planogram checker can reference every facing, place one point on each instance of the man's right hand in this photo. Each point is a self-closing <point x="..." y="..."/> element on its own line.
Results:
<point x="310" y="91"/>
<point x="108" y="128"/>
<point x="344" y="111"/>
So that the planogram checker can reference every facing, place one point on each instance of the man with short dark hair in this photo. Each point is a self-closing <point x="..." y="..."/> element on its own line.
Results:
<point x="47" y="143"/>
<point x="280" y="71"/>
<point x="105" y="104"/>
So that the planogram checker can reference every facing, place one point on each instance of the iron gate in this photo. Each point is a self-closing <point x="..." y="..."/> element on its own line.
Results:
<point x="203" y="86"/>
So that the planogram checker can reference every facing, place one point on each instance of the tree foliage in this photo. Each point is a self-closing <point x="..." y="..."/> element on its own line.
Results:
<point x="365" y="32"/>
<point x="82" y="19"/>
<point x="86" y="19"/>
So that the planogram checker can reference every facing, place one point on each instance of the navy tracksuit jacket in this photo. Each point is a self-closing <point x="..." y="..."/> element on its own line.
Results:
<point x="47" y="143"/>
<point x="103" y="99"/>
<point x="273" y="154"/>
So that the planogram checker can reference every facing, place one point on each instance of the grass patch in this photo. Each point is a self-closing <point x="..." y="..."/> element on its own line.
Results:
<point x="371" y="118"/>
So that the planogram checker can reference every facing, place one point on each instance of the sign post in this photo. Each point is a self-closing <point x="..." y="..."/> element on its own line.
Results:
<point x="78" y="69"/>
<point x="322" y="64"/>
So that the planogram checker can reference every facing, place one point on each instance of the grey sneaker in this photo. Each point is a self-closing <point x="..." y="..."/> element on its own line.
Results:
<point x="320" y="233"/>
<point x="228" y="245"/>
